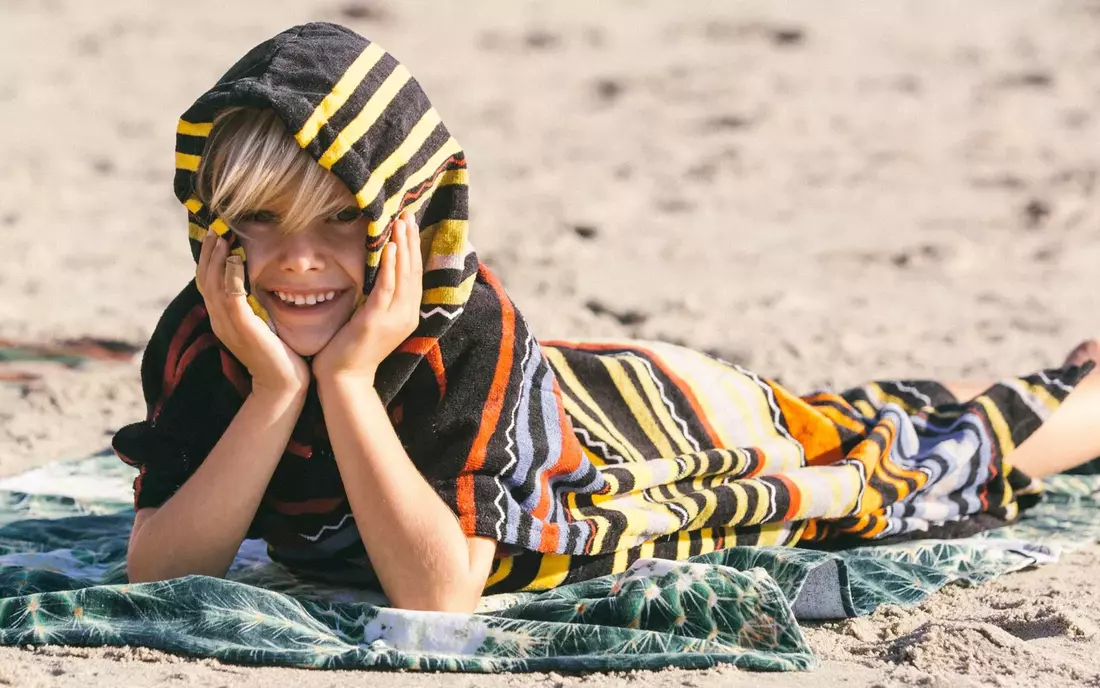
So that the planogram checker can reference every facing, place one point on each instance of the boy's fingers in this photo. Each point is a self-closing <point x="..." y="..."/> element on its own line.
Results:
<point x="414" y="279"/>
<point x="204" y="261"/>
<point x="417" y="256"/>
<point x="382" y="293"/>
<point x="234" y="276"/>
<point x="401" y="269"/>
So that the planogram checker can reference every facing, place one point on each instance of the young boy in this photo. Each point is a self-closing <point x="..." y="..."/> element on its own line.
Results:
<point x="345" y="379"/>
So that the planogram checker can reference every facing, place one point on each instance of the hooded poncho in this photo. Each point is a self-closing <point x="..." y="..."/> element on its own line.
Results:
<point x="578" y="458"/>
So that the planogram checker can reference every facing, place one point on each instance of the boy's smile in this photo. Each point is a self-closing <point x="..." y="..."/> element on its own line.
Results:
<point x="307" y="278"/>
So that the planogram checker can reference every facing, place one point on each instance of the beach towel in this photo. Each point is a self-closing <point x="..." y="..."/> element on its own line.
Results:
<point x="64" y="527"/>
<point x="580" y="459"/>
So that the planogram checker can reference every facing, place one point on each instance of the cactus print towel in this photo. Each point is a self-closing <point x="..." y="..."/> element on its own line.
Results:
<point x="64" y="528"/>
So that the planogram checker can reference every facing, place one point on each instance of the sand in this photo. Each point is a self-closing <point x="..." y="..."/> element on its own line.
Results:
<point x="824" y="192"/>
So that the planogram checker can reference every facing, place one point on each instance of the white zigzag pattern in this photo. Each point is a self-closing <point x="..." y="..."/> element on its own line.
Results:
<point x="776" y="416"/>
<point x="589" y="442"/>
<point x="508" y="448"/>
<point x="668" y="402"/>
<point x="320" y="532"/>
<point x="439" y="310"/>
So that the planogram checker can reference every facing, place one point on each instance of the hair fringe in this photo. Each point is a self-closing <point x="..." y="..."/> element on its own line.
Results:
<point x="252" y="163"/>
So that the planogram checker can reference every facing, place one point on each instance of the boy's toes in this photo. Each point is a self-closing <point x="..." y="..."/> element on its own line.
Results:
<point x="1086" y="351"/>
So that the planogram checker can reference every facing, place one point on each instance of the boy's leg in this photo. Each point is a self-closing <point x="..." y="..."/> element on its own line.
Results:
<point x="1070" y="437"/>
<point x="965" y="390"/>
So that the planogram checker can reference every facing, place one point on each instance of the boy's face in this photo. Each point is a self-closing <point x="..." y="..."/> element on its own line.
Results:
<point x="308" y="280"/>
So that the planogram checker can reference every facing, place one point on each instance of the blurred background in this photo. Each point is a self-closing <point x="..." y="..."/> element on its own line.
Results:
<point x="824" y="192"/>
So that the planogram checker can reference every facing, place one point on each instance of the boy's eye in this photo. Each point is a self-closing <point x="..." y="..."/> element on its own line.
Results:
<point x="349" y="214"/>
<point x="261" y="216"/>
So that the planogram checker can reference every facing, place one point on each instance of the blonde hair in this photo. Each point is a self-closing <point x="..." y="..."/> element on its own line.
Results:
<point x="252" y="163"/>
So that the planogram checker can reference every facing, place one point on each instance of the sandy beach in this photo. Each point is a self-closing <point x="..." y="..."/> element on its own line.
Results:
<point x="826" y="193"/>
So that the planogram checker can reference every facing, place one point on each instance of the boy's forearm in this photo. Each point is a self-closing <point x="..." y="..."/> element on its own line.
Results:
<point x="414" y="541"/>
<point x="200" y="528"/>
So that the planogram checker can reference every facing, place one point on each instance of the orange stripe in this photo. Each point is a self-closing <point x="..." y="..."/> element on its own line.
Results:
<point x="201" y="344"/>
<point x="233" y="373"/>
<point x="428" y="347"/>
<point x="435" y="360"/>
<point x="171" y="362"/>
<point x="795" y="498"/>
<point x="817" y="433"/>
<point x="299" y="449"/>
<point x="494" y="404"/>
<point x="548" y="542"/>
<point x="569" y="459"/>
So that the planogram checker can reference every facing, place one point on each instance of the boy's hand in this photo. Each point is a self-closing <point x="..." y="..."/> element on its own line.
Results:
<point x="389" y="315"/>
<point x="271" y="363"/>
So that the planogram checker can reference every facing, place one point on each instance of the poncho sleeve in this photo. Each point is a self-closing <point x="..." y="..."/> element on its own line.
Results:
<point x="190" y="385"/>
<point x="494" y="440"/>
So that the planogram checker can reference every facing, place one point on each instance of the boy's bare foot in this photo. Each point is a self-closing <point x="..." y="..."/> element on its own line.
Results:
<point x="1086" y="351"/>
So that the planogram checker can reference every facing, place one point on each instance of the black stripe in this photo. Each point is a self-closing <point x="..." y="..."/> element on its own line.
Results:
<point x="190" y="145"/>
<point x="352" y="107"/>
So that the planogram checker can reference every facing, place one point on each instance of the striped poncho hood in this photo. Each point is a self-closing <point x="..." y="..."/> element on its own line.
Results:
<point x="356" y="110"/>
<point x="469" y="392"/>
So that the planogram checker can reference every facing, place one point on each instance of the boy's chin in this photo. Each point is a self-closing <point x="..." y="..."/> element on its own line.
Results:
<point x="306" y="344"/>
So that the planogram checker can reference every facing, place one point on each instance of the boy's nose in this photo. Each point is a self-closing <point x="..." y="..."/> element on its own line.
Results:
<point x="301" y="253"/>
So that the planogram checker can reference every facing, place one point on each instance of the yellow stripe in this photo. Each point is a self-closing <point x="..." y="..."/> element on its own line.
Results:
<point x="706" y="540"/>
<point x="552" y="572"/>
<point x="339" y="93"/>
<point x="372" y="110"/>
<point x="258" y="309"/>
<point x="750" y="400"/>
<point x="504" y="568"/>
<point x="638" y="408"/>
<point x="450" y="295"/>
<point x="600" y="525"/>
<point x="448" y="237"/>
<point x="566" y="375"/>
<point x="865" y="408"/>
<point x="219" y="226"/>
<point x="1044" y="396"/>
<point x="741" y="503"/>
<point x="646" y="550"/>
<point x="683" y="545"/>
<point x="1000" y="428"/>
<point x="448" y="178"/>
<point x="196" y="232"/>
<point x="389" y="209"/>
<point x="619" y="563"/>
<point x="194" y="128"/>
<point x="658" y="405"/>
<point x="764" y="504"/>
<point x="187" y="162"/>
<point x="710" y="503"/>
<point x="397" y="159"/>
<point x="579" y="415"/>
<point x="677" y="362"/>
<point x="193" y="204"/>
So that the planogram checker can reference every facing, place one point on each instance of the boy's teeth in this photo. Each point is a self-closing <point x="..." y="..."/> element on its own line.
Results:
<point x="308" y="300"/>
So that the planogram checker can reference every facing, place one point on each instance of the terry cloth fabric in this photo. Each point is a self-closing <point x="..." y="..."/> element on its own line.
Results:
<point x="578" y="458"/>
<point x="64" y="527"/>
